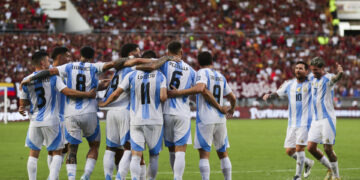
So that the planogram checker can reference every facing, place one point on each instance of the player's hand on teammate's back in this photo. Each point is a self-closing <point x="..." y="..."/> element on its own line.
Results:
<point x="92" y="93"/>
<point x="22" y="110"/>
<point x="176" y="58"/>
<point x="230" y="113"/>
<point x="224" y="109"/>
<point x="172" y="93"/>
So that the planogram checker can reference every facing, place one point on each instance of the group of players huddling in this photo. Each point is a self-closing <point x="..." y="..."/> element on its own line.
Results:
<point x="147" y="100"/>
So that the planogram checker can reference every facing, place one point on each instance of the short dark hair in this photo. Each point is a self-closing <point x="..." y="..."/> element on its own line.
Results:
<point x="59" y="51"/>
<point x="205" y="59"/>
<point x="304" y="63"/>
<point x="149" y="54"/>
<point x="318" y="62"/>
<point x="87" y="52"/>
<point x="127" y="49"/>
<point x="38" y="56"/>
<point x="174" y="47"/>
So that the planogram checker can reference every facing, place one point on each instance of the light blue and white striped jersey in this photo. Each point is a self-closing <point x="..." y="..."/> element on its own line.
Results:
<point x="216" y="83"/>
<point x="82" y="77"/>
<point x="42" y="94"/>
<point x="299" y="97"/>
<point x="145" y="104"/>
<point x="123" y="101"/>
<point x="323" y="95"/>
<point x="61" y="101"/>
<point x="181" y="76"/>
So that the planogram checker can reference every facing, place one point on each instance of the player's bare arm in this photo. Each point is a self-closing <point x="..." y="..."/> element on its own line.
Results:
<point x="22" y="104"/>
<point x="40" y="75"/>
<point x="103" y="84"/>
<point x="112" y="97"/>
<point x="231" y="97"/>
<point x="156" y="64"/>
<point x="163" y="94"/>
<point x="79" y="94"/>
<point x="198" y="88"/>
<point x="339" y="74"/>
<point x="117" y="64"/>
<point x="271" y="96"/>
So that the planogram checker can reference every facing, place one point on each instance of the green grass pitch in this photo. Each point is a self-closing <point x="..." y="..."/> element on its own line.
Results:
<point x="256" y="152"/>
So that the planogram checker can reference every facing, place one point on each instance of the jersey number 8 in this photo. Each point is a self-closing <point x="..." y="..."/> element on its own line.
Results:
<point x="80" y="82"/>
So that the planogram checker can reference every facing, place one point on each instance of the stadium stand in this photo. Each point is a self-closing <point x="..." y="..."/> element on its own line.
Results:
<point x="22" y="15"/>
<point x="251" y="41"/>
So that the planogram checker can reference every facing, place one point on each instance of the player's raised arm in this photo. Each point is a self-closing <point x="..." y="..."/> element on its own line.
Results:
<point x="156" y="64"/>
<point x="79" y="94"/>
<point x="270" y="96"/>
<point x="40" y="75"/>
<point x="338" y="76"/>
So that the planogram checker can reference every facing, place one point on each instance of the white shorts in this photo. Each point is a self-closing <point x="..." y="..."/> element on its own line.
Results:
<point x="49" y="136"/>
<point x="62" y="126"/>
<point x="296" y="136"/>
<point x="150" y="134"/>
<point x="206" y="134"/>
<point x="177" y="130"/>
<point x="117" y="127"/>
<point x="322" y="132"/>
<point x="86" y="125"/>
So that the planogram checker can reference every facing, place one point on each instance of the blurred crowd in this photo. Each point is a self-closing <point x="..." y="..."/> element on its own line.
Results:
<point x="247" y="16"/>
<point x="253" y="41"/>
<point x="265" y="59"/>
<point x="22" y="15"/>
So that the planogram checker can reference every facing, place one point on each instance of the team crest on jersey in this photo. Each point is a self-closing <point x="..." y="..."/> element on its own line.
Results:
<point x="305" y="89"/>
<point x="298" y="89"/>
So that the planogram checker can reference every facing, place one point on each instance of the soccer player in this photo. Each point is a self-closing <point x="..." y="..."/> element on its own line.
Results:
<point x="176" y="110"/>
<point x="323" y="127"/>
<point x="147" y="91"/>
<point x="60" y="56"/>
<point x="44" y="126"/>
<point x="298" y="91"/>
<point x="210" y="121"/>
<point x="81" y="116"/>
<point x="118" y="122"/>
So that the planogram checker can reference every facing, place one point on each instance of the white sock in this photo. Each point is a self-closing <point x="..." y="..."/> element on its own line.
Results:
<point x="294" y="156"/>
<point x="172" y="159"/>
<point x="204" y="167"/>
<point x="49" y="159"/>
<point x="124" y="165"/>
<point x="71" y="170"/>
<point x="108" y="163"/>
<point x="226" y="168"/>
<point x="143" y="172"/>
<point x="325" y="161"/>
<point x="32" y="167"/>
<point x="300" y="163"/>
<point x="179" y="165"/>
<point x="153" y="166"/>
<point x="55" y="167"/>
<point x="335" y="169"/>
<point x="307" y="160"/>
<point x="89" y="166"/>
<point x="135" y="168"/>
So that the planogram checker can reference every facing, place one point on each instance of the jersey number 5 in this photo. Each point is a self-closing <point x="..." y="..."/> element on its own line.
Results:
<point x="175" y="79"/>
<point x="145" y="92"/>
<point x="40" y="93"/>
<point x="80" y="82"/>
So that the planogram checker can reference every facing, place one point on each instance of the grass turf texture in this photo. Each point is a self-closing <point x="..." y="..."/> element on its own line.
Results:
<point x="256" y="152"/>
